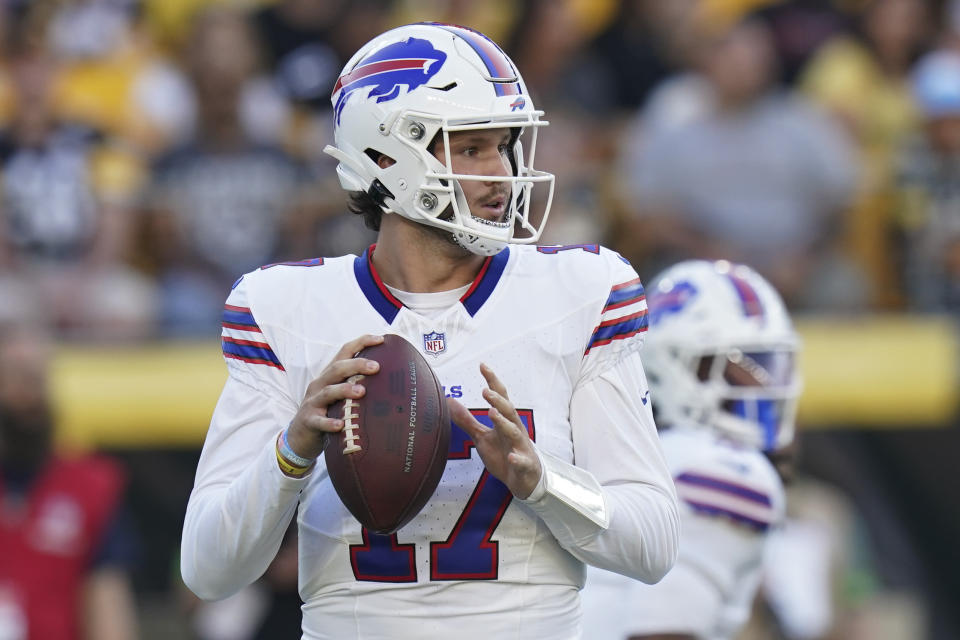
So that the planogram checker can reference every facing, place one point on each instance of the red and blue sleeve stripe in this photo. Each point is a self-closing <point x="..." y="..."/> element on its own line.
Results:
<point x="236" y="319"/>
<point x="618" y="329"/>
<point x="717" y="497"/>
<point x="250" y="351"/>
<point x="724" y="486"/>
<point x="625" y="293"/>
<point x="742" y="518"/>
<point x="239" y="318"/>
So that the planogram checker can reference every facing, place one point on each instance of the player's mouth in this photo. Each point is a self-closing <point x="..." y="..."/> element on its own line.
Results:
<point x="494" y="209"/>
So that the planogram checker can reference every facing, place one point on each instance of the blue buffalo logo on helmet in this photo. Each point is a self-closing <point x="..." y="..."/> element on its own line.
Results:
<point x="668" y="300"/>
<point x="402" y="66"/>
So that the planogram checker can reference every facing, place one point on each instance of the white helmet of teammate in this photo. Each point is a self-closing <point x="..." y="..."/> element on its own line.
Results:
<point x="721" y="353"/>
<point x="410" y="84"/>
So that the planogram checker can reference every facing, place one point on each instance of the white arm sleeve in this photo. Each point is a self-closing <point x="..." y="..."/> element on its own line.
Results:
<point x="615" y="441"/>
<point x="241" y="502"/>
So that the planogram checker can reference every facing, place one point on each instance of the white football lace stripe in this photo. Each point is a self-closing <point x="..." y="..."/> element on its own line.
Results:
<point x="350" y="428"/>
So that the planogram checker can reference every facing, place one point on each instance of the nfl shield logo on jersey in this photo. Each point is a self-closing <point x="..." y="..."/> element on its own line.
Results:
<point x="434" y="343"/>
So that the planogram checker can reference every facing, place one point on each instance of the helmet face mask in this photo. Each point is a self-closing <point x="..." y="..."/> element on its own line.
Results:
<point x="721" y="354"/>
<point x="440" y="80"/>
<point x="752" y="392"/>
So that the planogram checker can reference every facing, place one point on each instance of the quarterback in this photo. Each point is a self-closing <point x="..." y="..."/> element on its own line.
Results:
<point x="721" y="359"/>
<point x="554" y="461"/>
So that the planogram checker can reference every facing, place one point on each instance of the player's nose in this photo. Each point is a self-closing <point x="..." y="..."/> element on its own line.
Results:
<point x="498" y="165"/>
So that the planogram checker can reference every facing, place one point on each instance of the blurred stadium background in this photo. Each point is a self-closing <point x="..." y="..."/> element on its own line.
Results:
<point x="151" y="151"/>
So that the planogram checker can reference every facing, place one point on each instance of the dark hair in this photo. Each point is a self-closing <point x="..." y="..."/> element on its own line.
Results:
<point x="363" y="204"/>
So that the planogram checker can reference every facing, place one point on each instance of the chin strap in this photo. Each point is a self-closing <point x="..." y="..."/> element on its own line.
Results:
<point x="476" y="245"/>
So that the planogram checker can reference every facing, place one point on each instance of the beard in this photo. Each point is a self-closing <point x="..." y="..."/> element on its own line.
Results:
<point x="26" y="437"/>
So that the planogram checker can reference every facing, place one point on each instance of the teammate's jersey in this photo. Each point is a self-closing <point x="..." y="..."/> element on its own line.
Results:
<point x="730" y="497"/>
<point x="561" y="327"/>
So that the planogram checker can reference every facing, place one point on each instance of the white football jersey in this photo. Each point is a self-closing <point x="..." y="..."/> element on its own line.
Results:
<point x="561" y="327"/>
<point x="730" y="498"/>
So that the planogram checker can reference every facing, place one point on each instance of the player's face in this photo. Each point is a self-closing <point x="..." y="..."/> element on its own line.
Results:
<point x="484" y="152"/>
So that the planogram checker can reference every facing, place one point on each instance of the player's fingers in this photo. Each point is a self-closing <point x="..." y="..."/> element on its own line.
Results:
<point x="502" y="404"/>
<point x="513" y="432"/>
<point x="493" y="381"/>
<point x="344" y="364"/>
<point x="308" y="431"/>
<point x="327" y="395"/>
<point x="316" y="421"/>
<point x="462" y="417"/>
<point x="351" y="348"/>
<point x="341" y="370"/>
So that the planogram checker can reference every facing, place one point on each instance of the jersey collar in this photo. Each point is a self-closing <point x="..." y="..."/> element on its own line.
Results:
<point x="387" y="305"/>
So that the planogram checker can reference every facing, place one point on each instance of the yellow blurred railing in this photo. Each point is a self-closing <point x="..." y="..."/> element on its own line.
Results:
<point x="873" y="372"/>
<point x="152" y="395"/>
<point x="884" y="371"/>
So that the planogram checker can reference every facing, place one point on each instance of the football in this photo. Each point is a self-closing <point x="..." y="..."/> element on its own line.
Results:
<point x="387" y="461"/>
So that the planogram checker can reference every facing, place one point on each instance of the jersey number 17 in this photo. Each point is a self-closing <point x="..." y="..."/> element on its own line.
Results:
<point x="468" y="553"/>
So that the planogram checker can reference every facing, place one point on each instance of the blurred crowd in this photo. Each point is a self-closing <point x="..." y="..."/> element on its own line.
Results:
<point x="152" y="151"/>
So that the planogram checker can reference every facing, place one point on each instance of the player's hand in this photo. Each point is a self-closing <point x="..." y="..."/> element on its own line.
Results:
<point x="311" y="424"/>
<point x="506" y="449"/>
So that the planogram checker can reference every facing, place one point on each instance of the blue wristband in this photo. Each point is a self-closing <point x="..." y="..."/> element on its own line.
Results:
<point x="289" y="453"/>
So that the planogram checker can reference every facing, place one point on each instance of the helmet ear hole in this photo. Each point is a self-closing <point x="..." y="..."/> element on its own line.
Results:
<point x="432" y="145"/>
<point x="381" y="159"/>
<point x="431" y="149"/>
<point x="377" y="191"/>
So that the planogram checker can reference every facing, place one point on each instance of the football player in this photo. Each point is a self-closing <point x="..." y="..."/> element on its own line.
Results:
<point x="724" y="385"/>
<point x="555" y="460"/>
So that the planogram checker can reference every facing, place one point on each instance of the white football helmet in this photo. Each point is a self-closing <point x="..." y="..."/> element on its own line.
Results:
<point x="721" y="353"/>
<point x="409" y="84"/>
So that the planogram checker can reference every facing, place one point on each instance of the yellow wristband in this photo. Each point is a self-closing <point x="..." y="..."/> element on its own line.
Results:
<point x="291" y="469"/>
